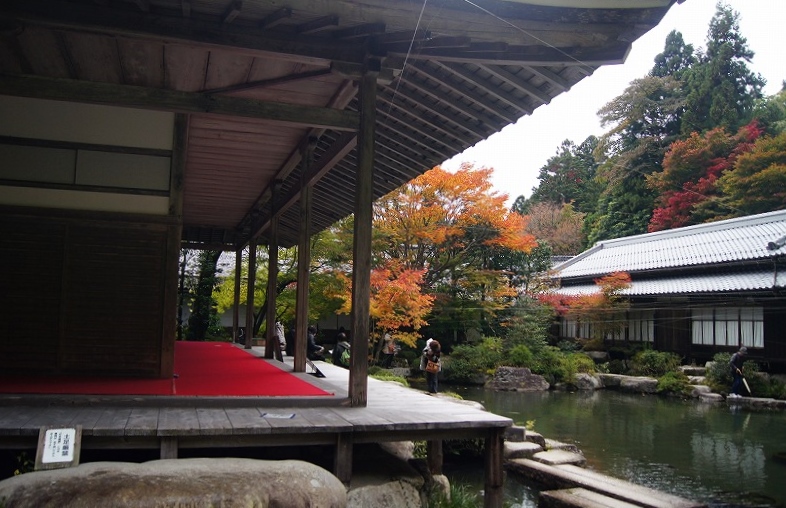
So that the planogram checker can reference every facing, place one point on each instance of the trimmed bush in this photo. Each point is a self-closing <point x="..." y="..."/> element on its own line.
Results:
<point x="675" y="382"/>
<point x="654" y="363"/>
<point x="520" y="356"/>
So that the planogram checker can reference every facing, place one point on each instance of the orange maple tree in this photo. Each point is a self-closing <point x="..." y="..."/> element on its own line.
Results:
<point x="450" y="225"/>
<point x="397" y="304"/>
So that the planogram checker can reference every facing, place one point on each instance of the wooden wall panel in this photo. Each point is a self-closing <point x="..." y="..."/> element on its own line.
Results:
<point x="113" y="314"/>
<point x="82" y="297"/>
<point x="31" y="260"/>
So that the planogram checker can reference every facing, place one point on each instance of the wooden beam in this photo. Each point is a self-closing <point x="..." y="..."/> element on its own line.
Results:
<point x="272" y="344"/>
<point x="195" y="32"/>
<point x="174" y="237"/>
<point x="494" y="473"/>
<point x="340" y="99"/>
<point x="174" y="101"/>
<point x="317" y="25"/>
<point x="275" y="18"/>
<point x="263" y="83"/>
<point x="303" y="264"/>
<point x="233" y="10"/>
<point x="236" y="295"/>
<point x="250" y="285"/>
<point x="364" y="30"/>
<point x="361" y="247"/>
<point x="528" y="55"/>
<point x="338" y="150"/>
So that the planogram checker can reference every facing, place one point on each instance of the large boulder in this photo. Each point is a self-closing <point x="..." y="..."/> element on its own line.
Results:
<point x="587" y="382"/>
<point x="195" y="483"/>
<point x="519" y="379"/>
<point x="637" y="384"/>
<point x="392" y="494"/>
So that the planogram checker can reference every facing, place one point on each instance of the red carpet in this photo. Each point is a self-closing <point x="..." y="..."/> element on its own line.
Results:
<point x="201" y="368"/>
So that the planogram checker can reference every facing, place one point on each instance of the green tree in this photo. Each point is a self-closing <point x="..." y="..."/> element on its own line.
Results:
<point x="204" y="317"/>
<point x="644" y="120"/>
<point x="677" y="57"/>
<point x="329" y="250"/>
<point x="757" y="182"/>
<point x="721" y="90"/>
<point x="568" y="177"/>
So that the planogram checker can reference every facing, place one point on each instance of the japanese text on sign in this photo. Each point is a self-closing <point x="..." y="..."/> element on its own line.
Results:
<point x="59" y="445"/>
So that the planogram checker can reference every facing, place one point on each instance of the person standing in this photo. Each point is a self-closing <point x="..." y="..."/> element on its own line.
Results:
<point x="388" y="351"/>
<point x="431" y="364"/>
<point x="735" y="364"/>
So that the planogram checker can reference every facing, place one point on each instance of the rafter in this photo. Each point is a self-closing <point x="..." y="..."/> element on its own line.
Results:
<point x="518" y="82"/>
<point x="233" y="10"/>
<point x="461" y="89"/>
<point x="443" y="124"/>
<point x="489" y="88"/>
<point x="276" y="17"/>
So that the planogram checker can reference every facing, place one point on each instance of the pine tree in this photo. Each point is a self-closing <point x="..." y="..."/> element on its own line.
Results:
<point x="721" y="89"/>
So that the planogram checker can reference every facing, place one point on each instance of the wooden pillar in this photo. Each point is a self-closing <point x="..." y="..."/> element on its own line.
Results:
<point x="252" y="275"/>
<point x="272" y="346"/>
<point x="342" y="467"/>
<point x="361" y="248"/>
<point x="236" y="307"/>
<point x="303" y="261"/>
<point x="174" y="238"/>
<point x="434" y="456"/>
<point x="494" y="474"/>
<point x="168" y="447"/>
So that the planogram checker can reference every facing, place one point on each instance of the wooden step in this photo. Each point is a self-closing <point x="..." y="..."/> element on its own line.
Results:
<point x="579" y="498"/>
<point x="568" y="476"/>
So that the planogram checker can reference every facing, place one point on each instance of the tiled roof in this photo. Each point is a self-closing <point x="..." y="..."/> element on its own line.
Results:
<point x="732" y="240"/>
<point x="710" y="283"/>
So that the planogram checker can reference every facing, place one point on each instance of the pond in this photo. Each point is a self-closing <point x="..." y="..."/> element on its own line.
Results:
<point x="724" y="456"/>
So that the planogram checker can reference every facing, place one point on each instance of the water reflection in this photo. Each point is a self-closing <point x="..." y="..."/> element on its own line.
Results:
<point x="712" y="453"/>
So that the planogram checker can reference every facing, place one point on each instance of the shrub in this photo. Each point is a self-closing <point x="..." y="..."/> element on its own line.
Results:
<point x="574" y="363"/>
<point x="616" y="367"/>
<point x="654" y="363"/>
<point x="548" y="363"/>
<point x="718" y="374"/>
<point x="468" y="361"/>
<point x="675" y="382"/>
<point x="520" y="356"/>
<point x="568" y="345"/>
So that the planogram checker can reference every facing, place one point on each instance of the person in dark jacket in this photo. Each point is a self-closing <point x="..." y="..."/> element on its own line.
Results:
<point x="735" y="364"/>
<point x="313" y="350"/>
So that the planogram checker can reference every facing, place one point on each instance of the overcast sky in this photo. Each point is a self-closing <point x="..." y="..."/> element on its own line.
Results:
<point x="519" y="151"/>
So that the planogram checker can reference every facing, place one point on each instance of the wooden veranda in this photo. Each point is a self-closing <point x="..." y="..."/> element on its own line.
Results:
<point x="173" y="424"/>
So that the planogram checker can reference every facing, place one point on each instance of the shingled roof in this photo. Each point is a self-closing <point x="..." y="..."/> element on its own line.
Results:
<point x="730" y="255"/>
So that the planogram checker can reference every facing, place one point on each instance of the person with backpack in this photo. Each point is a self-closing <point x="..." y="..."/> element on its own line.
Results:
<point x="341" y="353"/>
